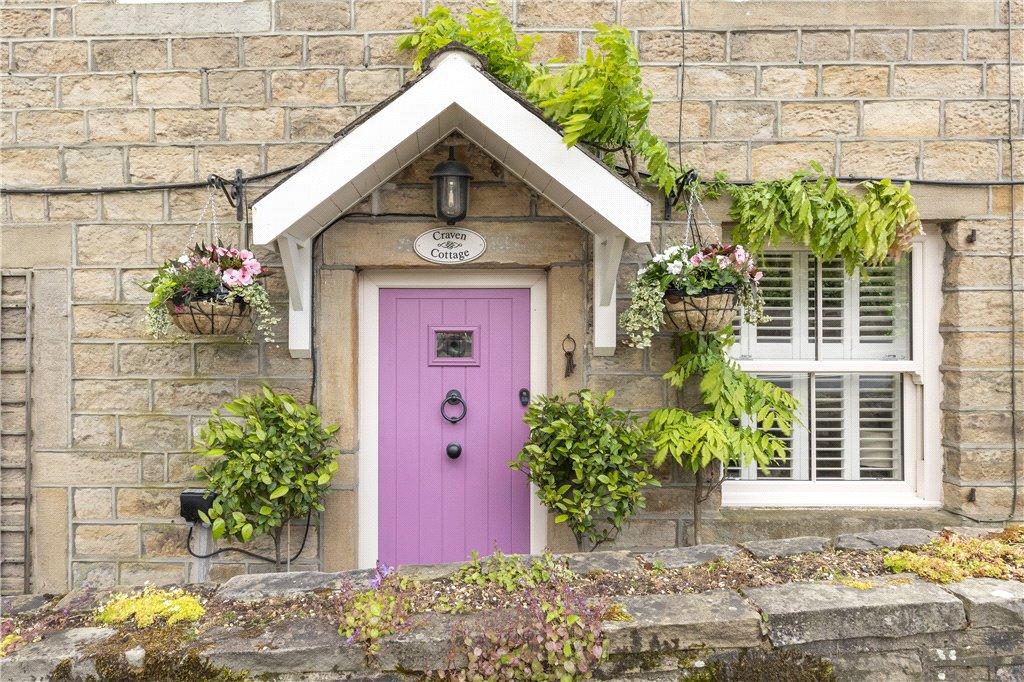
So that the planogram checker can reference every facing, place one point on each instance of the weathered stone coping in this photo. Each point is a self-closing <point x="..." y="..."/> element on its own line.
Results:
<point x="979" y="620"/>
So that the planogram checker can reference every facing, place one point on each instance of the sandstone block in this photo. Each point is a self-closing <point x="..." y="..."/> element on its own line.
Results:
<point x="224" y="159"/>
<point x="93" y="503"/>
<point x="855" y="81"/>
<point x="147" y="503"/>
<point x="94" y="166"/>
<point x="987" y="390"/>
<point x="977" y="428"/>
<point x="990" y="602"/>
<point x="93" y="359"/>
<point x="119" y="125"/>
<point x="24" y="23"/>
<point x="39" y="659"/>
<point x="206" y="53"/>
<point x="315" y="86"/>
<point x="708" y="157"/>
<point x="163" y="540"/>
<point x="937" y="46"/>
<point x="150" y="573"/>
<point x="970" y="466"/>
<point x="960" y="160"/>
<point x="312" y="15"/>
<point x="785" y="81"/>
<point x="134" y="206"/>
<point x="125" y="395"/>
<point x="93" y="285"/>
<point x="95" y="90"/>
<point x="901" y="119"/>
<point x="129" y="55"/>
<point x="664" y="119"/>
<point x="93" y="431"/>
<point x="303" y="643"/>
<point x="85" y="468"/>
<point x="594" y="562"/>
<point x="819" y="120"/>
<point x="662" y="81"/>
<point x="725" y="81"/>
<point x="552" y="46"/>
<point x="154" y="433"/>
<point x="276" y="50"/>
<point x="539" y="14"/>
<point x="667" y="46"/>
<point x="990" y="45"/>
<point x="237" y="87"/>
<point x="637" y="13"/>
<point x="681" y="557"/>
<point x="879" y="159"/>
<point x="782" y="159"/>
<point x="107" y="540"/>
<point x="824" y="46"/>
<point x="94" y="244"/>
<point x="261" y="124"/>
<point x="186" y="125"/>
<point x="172" y="19"/>
<point x="985" y="118"/>
<point x="765" y="549"/>
<point x="23" y="167"/>
<point x="880" y="46"/>
<point x="192" y="395"/>
<point x="223" y="359"/>
<point x="27" y="91"/>
<point x="763" y="46"/>
<point x="161" y="164"/>
<point x="806" y="612"/>
<point x="183" y="87"/>
<point x="745" y="120"/>
<point x="997" y="80"/>
<point x="339" y="50"/>
<point x="631" y="392"/>
<point x="51" y="127"/>
<point x="58" y="56"/>
<point x="720" y="618"/>
<point x="937" y="81"/>
<point x="790" y="13"/>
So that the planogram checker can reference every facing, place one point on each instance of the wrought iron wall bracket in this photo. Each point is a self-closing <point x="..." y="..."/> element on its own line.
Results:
<point x="234" y="191"/>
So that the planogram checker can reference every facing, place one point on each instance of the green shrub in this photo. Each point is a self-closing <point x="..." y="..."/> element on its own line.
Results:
<point x="588" y="460"/>
<point x="272" y="462"/>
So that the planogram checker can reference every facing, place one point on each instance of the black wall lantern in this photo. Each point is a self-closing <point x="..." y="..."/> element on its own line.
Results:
<point x="451" y="189"/>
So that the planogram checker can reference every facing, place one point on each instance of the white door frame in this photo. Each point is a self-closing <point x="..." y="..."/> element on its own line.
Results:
<point x="370" y="284"/>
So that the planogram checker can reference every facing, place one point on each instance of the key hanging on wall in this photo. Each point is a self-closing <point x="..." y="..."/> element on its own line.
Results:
<point x="569" y="348"/>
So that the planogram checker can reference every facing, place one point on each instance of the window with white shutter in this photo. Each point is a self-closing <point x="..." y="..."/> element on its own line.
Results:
<point x="866" y="387"/>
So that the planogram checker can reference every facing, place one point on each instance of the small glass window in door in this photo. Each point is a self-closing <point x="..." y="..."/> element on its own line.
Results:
<point x="454" y="345"/>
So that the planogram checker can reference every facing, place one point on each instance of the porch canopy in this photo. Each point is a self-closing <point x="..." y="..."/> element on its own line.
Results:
<point x="453" y="93"/>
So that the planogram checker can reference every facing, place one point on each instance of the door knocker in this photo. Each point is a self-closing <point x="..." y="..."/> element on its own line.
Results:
<point x="453" y="397"/>
<point x="569" y="348"/>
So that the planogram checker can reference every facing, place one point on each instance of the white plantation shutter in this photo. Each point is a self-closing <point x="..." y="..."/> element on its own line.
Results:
<point x="850" y="421"/>
<point x="862" y="317"/>
<point x="879" y="426"/>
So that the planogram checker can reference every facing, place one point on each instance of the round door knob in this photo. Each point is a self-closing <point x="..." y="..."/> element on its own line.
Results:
<point x="453" y="450"/>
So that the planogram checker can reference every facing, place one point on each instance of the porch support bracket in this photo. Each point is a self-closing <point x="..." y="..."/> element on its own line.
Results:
<point x="297" y="261"/>
<point x="607" y="256"/>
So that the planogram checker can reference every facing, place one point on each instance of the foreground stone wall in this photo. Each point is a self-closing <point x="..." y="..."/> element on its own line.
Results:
<point x="108" y="93"/>
<point x="896" y="627"/>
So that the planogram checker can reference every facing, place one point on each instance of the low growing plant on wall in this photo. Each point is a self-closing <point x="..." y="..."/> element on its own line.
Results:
<point x="734" y="428"/>
<point x="272" y="462"/>
<point x="589" y="462"/>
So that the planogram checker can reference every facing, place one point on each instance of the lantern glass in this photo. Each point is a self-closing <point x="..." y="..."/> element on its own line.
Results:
<point x="451" y="189"/>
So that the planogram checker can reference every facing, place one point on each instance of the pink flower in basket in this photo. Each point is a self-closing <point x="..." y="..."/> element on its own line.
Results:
<point x="237" y="277"/>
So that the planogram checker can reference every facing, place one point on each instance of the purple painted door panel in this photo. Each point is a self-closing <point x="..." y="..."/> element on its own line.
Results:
<point x="433" y="508"/>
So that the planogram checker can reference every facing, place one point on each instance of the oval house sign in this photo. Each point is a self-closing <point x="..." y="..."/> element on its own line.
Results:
<point x="450" y="245"/>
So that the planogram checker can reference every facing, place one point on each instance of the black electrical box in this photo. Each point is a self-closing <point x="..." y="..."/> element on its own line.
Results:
<point x="193" y="501"/>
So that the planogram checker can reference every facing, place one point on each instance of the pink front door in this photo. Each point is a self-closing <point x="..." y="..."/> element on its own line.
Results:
<point x="445" y="488"/>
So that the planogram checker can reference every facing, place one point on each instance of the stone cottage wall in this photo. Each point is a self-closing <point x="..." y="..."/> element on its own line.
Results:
<point x="107" y="93"/>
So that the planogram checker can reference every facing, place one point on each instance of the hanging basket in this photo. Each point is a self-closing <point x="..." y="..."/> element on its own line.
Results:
<point x="212" y="317"/>
<point x="707" y="311"/>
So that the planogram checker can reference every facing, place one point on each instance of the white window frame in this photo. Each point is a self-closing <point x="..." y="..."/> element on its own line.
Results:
<point x="921" y="484"/>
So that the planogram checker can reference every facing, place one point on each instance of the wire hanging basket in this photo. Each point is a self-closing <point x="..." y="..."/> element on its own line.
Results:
<point x="707" y="311"/>
<point x="211" y="317"/>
